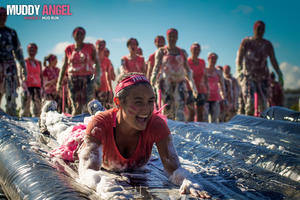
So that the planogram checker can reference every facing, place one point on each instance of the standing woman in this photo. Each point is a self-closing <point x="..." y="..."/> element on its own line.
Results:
<point x="172" y="62"/>
<point x="32" y="86"/>
<point x="197" y="65"/>
<point x="10" y="50"/>
<point x="133" y="62"/>
<point x="78" y="65"/>
<point x="215" y="81"/>
<point x="50" y="76"/>
<point x="111" y="76"/>
<point x="102" y="93"/>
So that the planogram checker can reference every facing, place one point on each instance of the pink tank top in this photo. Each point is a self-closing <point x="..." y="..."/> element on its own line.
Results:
<point x="198" y="74"/>
<point x="33" y="73"/>
<point x="50" y="73"/>
<point x="213" y="84"/>
<point x="80" y="63"/>
<point x="104" y="68"/>
<point x="173" y="66"/>
<point x="133" y="65"/>
<point x="104" y="124"/>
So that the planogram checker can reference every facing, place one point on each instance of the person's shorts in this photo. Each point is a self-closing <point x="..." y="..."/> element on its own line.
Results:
<point x="201" y="99"/>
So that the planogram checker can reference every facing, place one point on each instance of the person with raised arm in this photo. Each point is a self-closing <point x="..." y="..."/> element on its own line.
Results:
<point x="253" y="72"/>
<point x="82" y="76"/>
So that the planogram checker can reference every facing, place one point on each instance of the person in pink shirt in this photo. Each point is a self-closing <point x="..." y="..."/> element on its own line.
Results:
<point x="111" y="76"/>
<point x="139" y="51"/>
<point x="121" y="139"/>
<point x="215" y="83"/>
<point x="277" y="95"/>
<point x="133" y="62"/>
<point x="32" y="87"/>
<point x="102" y="94"/>
<point x="197" y="65"/>
<point x="79" y="62"/>
<point x="50" y="76"/>
<point x="159" y="42"/>
<point x="233" y="94"/>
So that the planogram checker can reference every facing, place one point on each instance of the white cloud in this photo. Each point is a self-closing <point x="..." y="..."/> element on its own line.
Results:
<point x="205" y="47"/>
<point x="90" y="39"/>
<point x="291" y="75"/>
<point x="119" y="40"/>
<point x="244" y="9"/>
<point x="59" y="48"/>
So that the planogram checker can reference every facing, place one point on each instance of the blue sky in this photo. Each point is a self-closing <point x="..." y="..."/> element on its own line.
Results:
<point x="219" y="26"/>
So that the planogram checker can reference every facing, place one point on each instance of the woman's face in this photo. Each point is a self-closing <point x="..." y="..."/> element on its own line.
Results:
<point x="132" y="46"/>
<point x="212" y="60"/>
<point x="195" y="51"/>
<point x="53" y="62"/>
<point x="101" y="45"/>
<point x="32" y="51"/>
<point x="160" y="42"/>
<point x="79" y="37"/>
<point x="172" y="38"/>
<point x="138" y="106"/>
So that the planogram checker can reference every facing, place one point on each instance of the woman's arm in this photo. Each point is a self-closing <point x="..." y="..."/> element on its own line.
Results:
<point x="177" y="174"/>
<point x="62" y="74"/>
<point x="90" y="159"/>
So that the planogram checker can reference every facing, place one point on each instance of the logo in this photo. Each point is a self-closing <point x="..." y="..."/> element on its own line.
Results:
<point x="39" y="12"/>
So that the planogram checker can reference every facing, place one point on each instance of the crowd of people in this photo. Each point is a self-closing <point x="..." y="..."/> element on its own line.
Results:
<point x="186" y="89"/>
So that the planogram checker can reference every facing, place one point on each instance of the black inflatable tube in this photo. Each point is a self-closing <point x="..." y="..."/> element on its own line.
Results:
<point x="25" y="174"/>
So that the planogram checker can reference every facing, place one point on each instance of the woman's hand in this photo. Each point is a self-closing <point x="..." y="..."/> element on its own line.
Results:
<point x="187" y="187"/>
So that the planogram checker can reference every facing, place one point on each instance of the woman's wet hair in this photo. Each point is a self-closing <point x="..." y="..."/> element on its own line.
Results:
<point x="122" y="94"/>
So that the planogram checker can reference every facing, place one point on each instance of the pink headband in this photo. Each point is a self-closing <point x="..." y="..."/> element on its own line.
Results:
<point x="131" y="80"/>
<point x="257" y="24"/>
<point x="32" y="45"/>
<point x="172" y="30"/>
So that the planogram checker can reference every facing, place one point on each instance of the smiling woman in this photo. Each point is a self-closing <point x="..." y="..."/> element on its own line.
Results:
<point x="121" y="139"/>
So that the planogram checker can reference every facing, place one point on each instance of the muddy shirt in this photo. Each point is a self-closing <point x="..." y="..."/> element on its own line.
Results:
<point x="9" y="42"/>
<point x="253" y="56"/>
<point x="173" y="65"/>
<point x="33" y="73"/>
<point x="198" y="74"/>
<point x="49" y="74"/>
<point x="133" y="65"/>
<point x="80" y="63"/>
